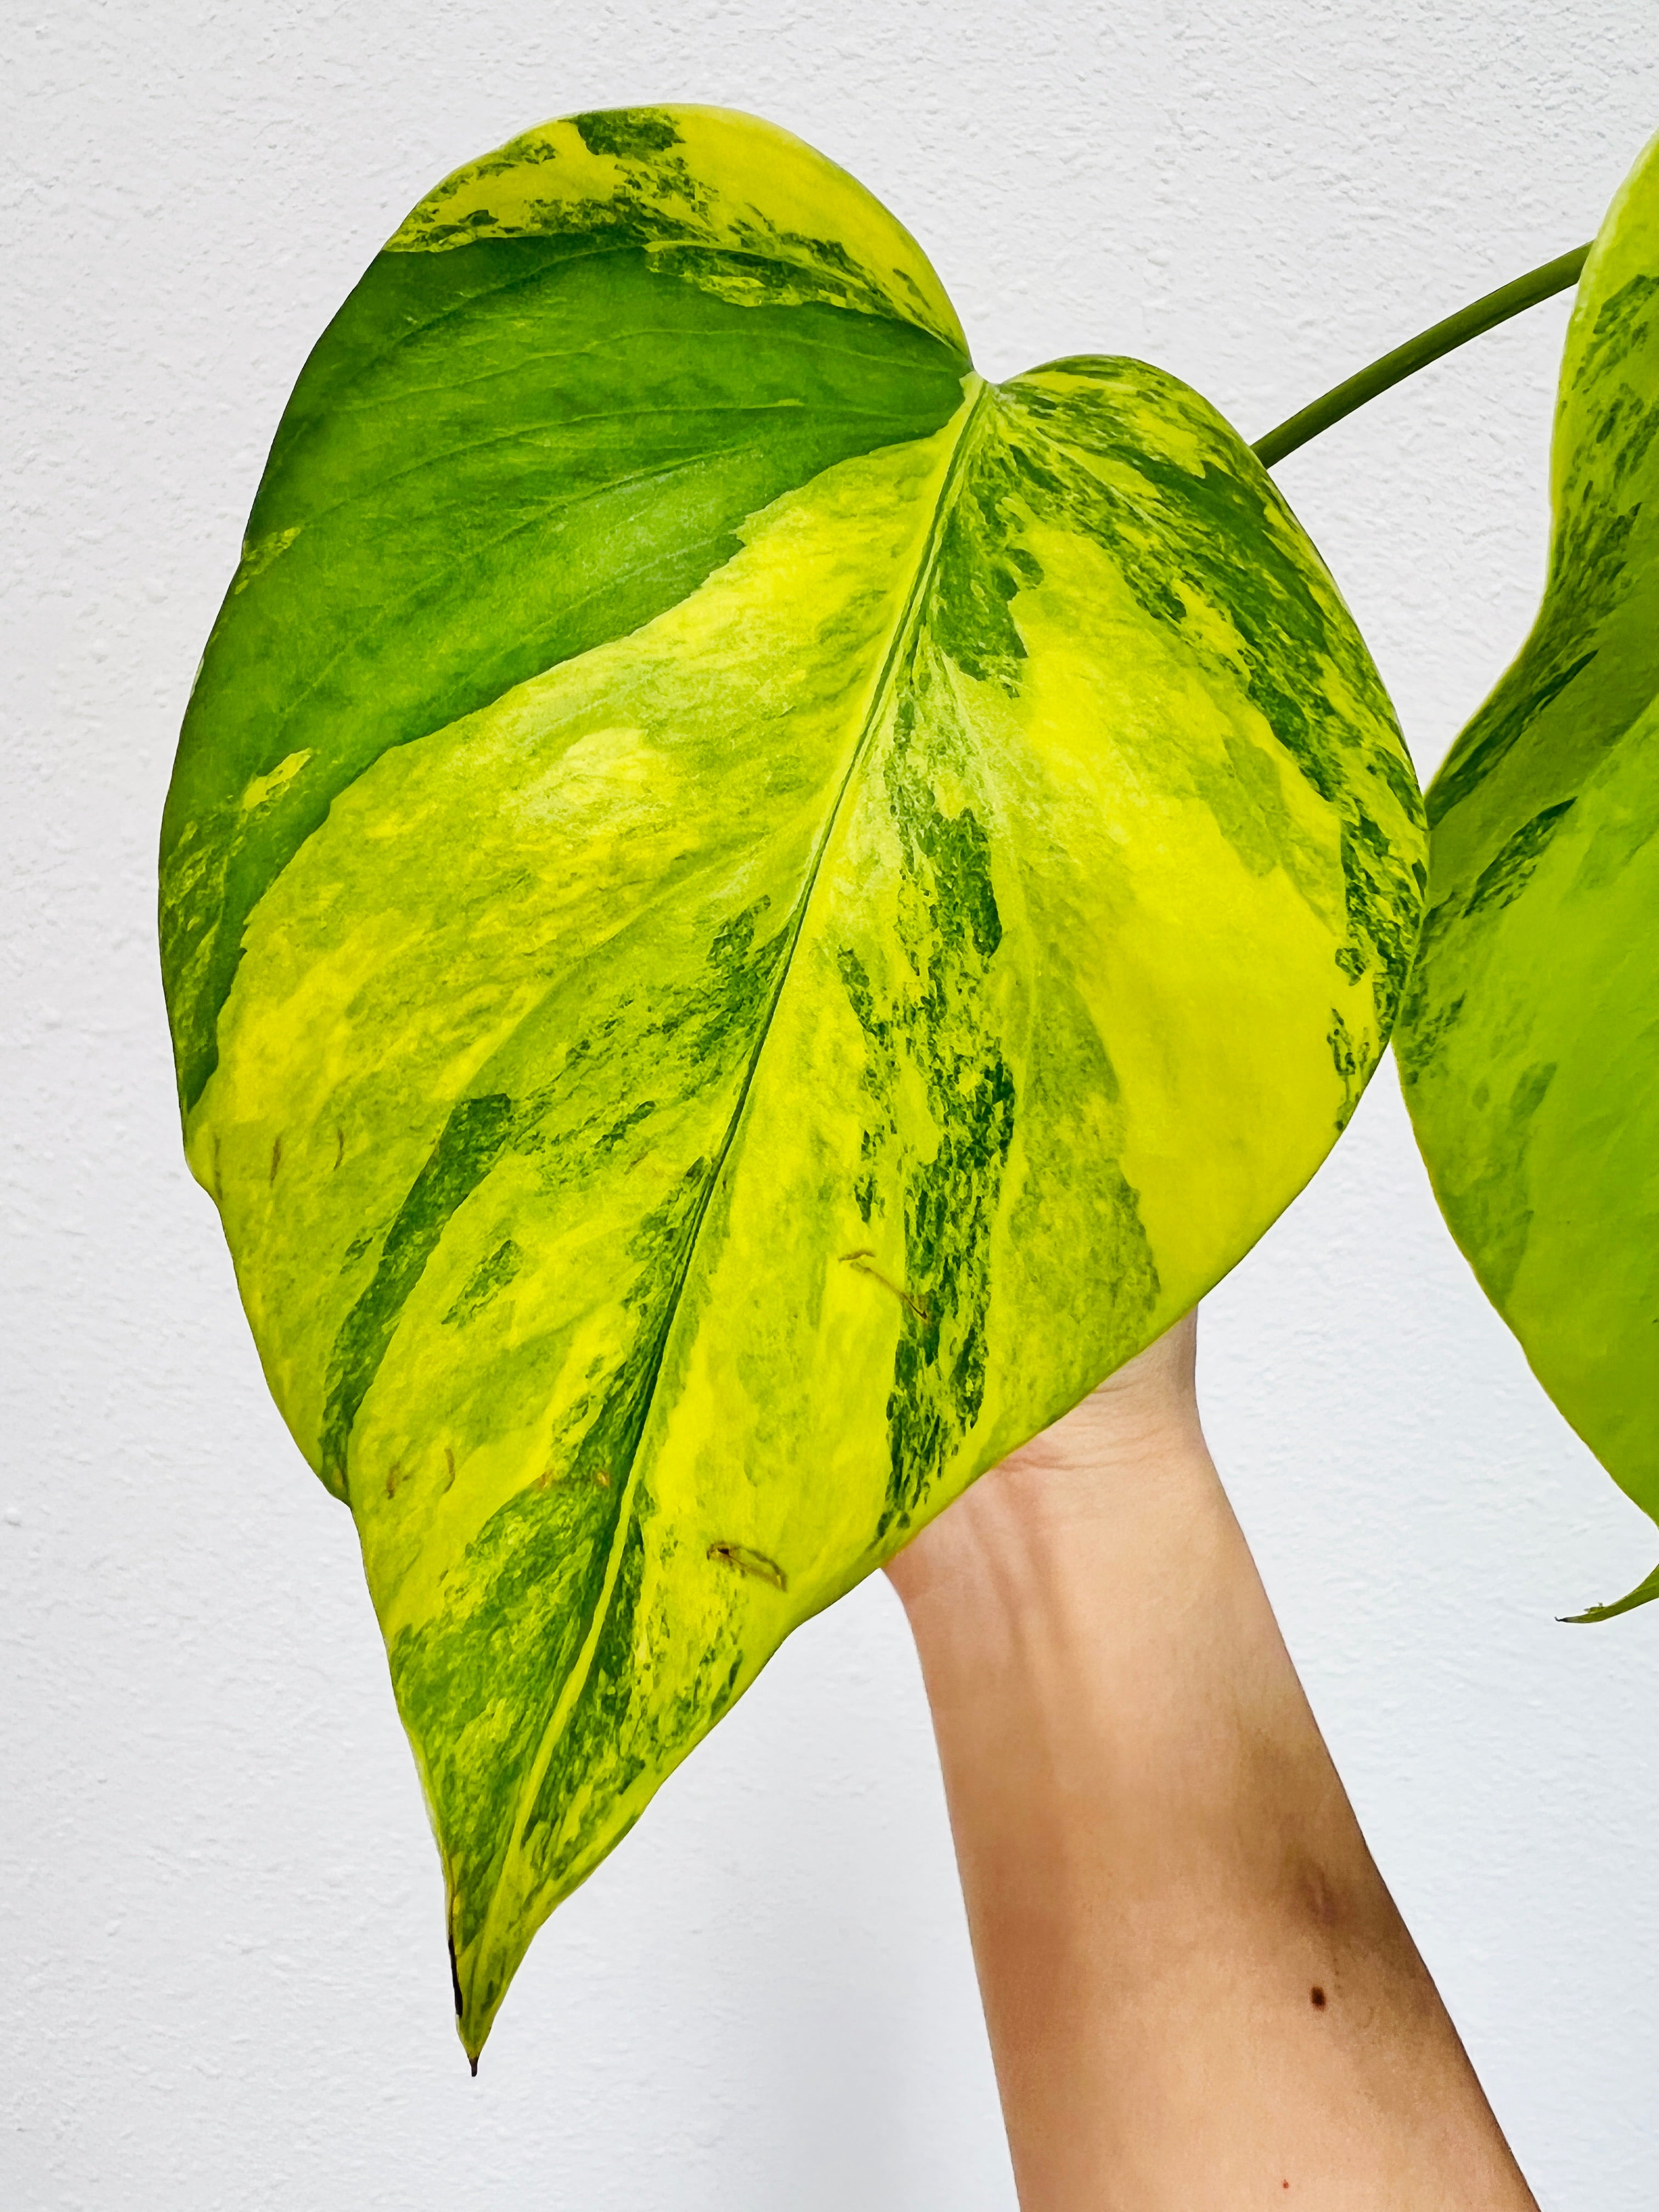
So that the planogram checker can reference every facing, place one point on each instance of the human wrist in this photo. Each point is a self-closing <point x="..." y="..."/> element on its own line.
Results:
<point x="1105" y="1491"/>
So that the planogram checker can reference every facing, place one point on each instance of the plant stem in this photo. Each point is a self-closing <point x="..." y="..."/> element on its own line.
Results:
<point x="1417" y="353"/>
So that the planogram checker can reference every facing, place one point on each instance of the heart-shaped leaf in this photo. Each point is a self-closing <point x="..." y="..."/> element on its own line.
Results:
<point x="745" y="915"/>
<point x="1530" y="1047"/>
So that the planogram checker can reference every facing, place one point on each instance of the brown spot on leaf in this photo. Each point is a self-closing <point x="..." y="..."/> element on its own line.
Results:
<point x="861" y="1260"/>
<point x="394" y="1475"/>
<point x="750" y="1563"/>
<point x="275" y="1157"/>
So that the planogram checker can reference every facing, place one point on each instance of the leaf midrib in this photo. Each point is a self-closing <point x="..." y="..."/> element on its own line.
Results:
<point x="902" y="631"/>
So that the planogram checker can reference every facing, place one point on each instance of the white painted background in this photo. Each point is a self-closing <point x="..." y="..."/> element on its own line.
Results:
<point x="223" y="1979"/>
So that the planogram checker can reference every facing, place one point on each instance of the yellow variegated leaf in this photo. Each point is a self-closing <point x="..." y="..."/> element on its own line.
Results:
<point x="746" y="914"/>
<point x="1530" y="1051"/>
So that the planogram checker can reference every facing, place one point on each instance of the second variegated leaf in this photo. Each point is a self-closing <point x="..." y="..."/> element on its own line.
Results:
<point x="1531" y="1048"/>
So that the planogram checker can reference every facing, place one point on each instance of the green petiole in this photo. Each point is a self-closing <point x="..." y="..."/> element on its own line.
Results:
<point x="1483" y="314"/>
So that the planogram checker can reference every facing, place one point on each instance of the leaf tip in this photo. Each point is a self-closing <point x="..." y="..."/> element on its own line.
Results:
<point x="471" y="2042"/>
<point x="474" y="2035"/>
<point x="1644" y="1593"/>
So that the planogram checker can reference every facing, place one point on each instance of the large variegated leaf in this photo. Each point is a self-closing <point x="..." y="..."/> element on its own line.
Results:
<point x="745" y="915"/>
<point x="1530" y="1044"/>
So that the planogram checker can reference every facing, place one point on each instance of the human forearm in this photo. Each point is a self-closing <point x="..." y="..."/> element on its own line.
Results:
<point x="1197" y="1987"/>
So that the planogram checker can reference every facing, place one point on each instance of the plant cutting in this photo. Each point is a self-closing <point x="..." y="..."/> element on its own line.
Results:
<point x="746" y="916"/>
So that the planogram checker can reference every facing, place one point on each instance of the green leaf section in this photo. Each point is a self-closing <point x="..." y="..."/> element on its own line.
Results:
<point x="679" y="1119"/>
<point x="625" y="356"/>
<point x="1529" y="1046"/>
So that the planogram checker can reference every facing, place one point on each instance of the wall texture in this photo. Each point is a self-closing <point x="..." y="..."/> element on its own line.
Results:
<point x="225" y="1982"/>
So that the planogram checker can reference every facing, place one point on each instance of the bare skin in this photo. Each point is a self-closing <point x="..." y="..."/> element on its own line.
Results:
<point x="1200" y="1995"/>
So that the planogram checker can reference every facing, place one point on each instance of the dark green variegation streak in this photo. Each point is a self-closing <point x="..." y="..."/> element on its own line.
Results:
<point x="1530" y="1044"/>
<point x="679" y="1118"/>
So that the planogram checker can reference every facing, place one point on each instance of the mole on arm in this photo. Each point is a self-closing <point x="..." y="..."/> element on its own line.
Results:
<point x="1317" y="1998"/>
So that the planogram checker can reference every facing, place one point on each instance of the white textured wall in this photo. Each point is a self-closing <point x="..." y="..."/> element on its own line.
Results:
<point x="224" y="1981"/>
